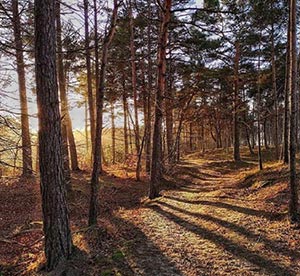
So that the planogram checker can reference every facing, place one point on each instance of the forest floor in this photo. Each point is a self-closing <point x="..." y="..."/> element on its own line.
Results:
<point x="215" y="217"/>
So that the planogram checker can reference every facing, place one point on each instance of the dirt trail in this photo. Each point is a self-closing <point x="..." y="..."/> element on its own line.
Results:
<point x="209" y="226"/>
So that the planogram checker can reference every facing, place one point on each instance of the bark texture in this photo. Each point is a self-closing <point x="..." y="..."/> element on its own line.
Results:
<point x="294" y="200"/>
<point x="236" y="127"/>
<point x="58" y="240"/>
<point x="93" y="210"/>
<point x="91" y="101"/>
<point x="26" y="141"/>
<point x="156" y="166"/>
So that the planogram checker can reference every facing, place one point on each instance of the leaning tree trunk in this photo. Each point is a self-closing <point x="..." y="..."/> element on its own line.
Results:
<point x="26" y="141"/>
<point x="156" y="166"/>
<point x="93" y="210"/>
<point x="58" y="239"/>
<point x="293" y="204"/>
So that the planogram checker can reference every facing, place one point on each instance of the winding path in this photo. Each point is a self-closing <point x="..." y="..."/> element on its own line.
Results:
<point x="208" y="226"/>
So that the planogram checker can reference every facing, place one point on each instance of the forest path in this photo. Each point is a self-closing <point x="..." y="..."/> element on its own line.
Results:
<point x="209" y="226"/>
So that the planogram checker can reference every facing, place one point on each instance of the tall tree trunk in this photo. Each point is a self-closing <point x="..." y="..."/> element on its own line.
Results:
<point x="149" y="94"/>
<point x="248" y="140"/>
<point x="86" y="125"/>
<point x="203" y="137"/>
<point x="169" y="113"/>
<point x="26" y="140"/>
<point x="113" y="132"/>
<point x="294" y="200"/>
<point x="286" y="119"/>
<point x="266" y="134"/>
<point x="97" y="67"/>
<point x="236" y="127"/>
<point x="63" y="97"/>
<point x="89" y="74"/>
<point x="71" y="136"/>
<point x="58" y="239"/>
<point x="125" y="107"/>
<point x="258" y="113"/>
<point x="72" y="145"/>
<point x="134" y="87"/>
<point x="274" y="87"/>
<point x="191" y="137"/>
<point x="145" y="110"/>
<point x="93" y="210"/>
<point x="156" y="166"/>
<point x="129" y="130"/>
<point x="133" y="80"/>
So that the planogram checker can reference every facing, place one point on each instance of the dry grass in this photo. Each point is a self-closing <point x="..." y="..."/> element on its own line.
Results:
<point x="216" y="217"/>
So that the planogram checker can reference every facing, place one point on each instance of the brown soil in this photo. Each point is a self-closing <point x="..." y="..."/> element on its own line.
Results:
<point x="215" y="217"/>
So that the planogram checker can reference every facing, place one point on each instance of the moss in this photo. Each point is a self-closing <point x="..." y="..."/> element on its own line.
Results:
<point x="118" y="255"/>
<point x="107" y="272"/>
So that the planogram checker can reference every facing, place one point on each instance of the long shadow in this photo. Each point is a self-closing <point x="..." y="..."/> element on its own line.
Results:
<point x="197" y="191"/>
<point x="200" y="174"/>
<point x="196" y="173"/>
<point x="140" y="246"/>
<point x="228" y="166"/>
<point x="248" y="211"/>
<point x="181" y="184"/>
<point x="238" y="229"/>
<point x="234" y="248"/>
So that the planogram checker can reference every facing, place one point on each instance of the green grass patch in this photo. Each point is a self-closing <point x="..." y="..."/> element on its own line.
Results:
<point x="118" y="255"/>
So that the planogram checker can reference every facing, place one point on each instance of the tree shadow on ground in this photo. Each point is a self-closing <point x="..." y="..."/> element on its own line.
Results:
<point x="269" y="244"/>
<point x="272" y="216"/>
<point x="228" y="166"/>
<point x="184" y="185"/>
<point x="271" y="175"/>
<point x="141" y="254"/>
<point x="234" y="248"/>
<point x="195" y="172"/>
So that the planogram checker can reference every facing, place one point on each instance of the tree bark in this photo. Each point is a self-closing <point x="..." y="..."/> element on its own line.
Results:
<point x="286" y="119"/>
<point x="58" y="239"/>
<point x="93" y="210"/>
<point x="125" y="107"/>
<point x="91" y="101"/>
<point x="149" y="94"/>
<point x="169" y="114"/>
<point x="294" y="200"/>
<point x="236" y="127"/>
<point x="260" y="165"/>
<point x="63" y="97"/>
<point x="97" y="67"/>
<point x="156" y="166"/>
<point x="26" y="140"/>
<point x="266" y="134"/>
<point x="274" y="87"/>
<point x="113" y="132"/>
<point x="133" y="79"/>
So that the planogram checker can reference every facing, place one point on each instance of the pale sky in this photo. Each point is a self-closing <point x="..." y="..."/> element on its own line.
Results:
<point x="9" y="98"/>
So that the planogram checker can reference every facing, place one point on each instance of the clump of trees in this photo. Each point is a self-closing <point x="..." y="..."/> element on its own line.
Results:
<point x="173" y="77"/>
